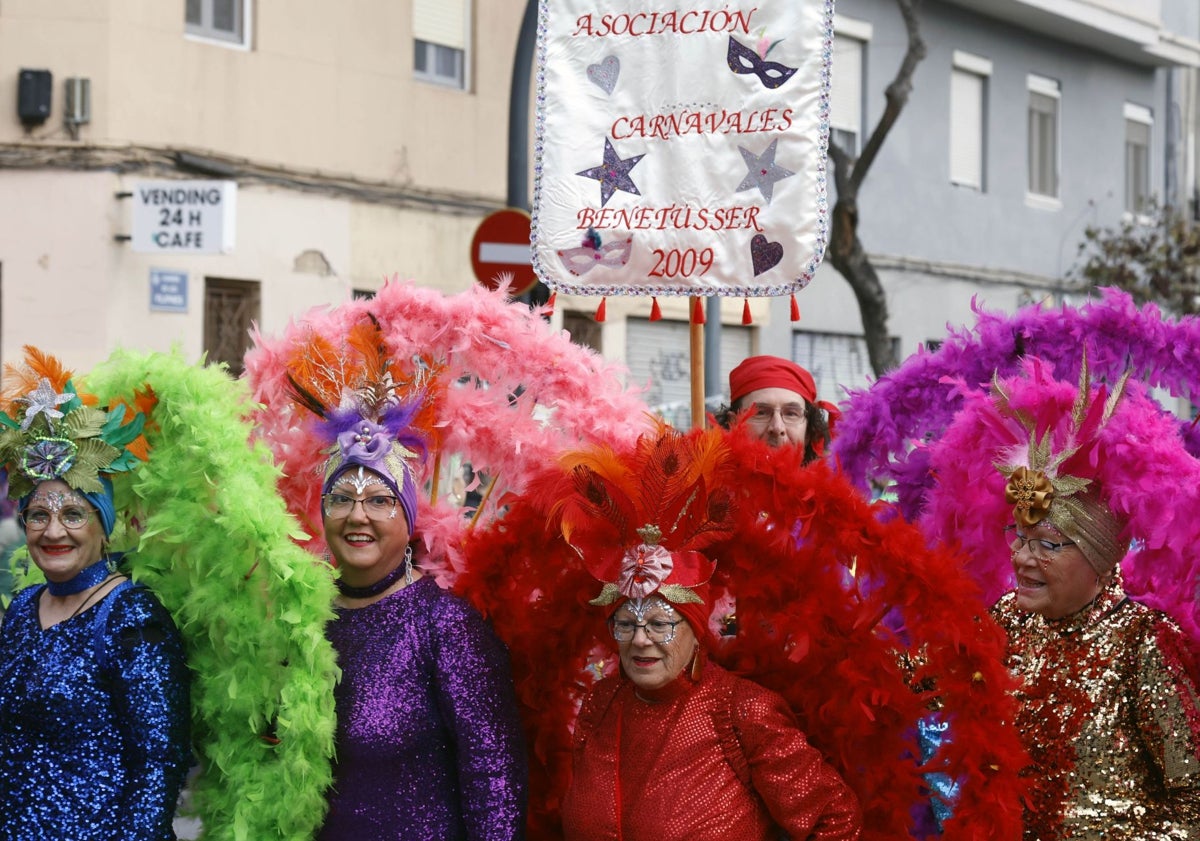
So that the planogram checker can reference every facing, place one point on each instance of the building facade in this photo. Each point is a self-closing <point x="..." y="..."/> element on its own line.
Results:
<point x="1028" y="121"/>
<point x="341" y="149"/>
<point x="362" y="144"/>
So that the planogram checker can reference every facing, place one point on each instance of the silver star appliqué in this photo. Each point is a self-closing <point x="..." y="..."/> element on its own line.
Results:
<point x="43" y="400"/>
<point x="613" y="174"/>
<point x="762" y="171"/>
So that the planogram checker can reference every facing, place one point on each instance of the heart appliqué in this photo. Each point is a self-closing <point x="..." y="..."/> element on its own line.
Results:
<point x="764" y="253"/>
<point x="604" y="75"/>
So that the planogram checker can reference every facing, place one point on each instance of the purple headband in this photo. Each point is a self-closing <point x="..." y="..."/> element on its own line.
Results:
<point x="371" y="447"/>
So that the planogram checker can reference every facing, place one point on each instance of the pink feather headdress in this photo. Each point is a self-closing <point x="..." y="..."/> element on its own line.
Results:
<point x="517" y="393"/>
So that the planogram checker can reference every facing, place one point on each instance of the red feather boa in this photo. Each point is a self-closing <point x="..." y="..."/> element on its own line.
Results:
<point x="833" y="597"/>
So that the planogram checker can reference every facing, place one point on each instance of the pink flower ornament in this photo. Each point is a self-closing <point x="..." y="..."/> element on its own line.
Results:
<point x="643" y="569"/>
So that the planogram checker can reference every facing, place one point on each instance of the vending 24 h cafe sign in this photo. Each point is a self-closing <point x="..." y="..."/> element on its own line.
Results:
<point x="681" y="146"/>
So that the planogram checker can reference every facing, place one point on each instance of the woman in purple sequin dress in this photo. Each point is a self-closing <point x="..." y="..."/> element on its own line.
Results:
<point x="429" y="742"/>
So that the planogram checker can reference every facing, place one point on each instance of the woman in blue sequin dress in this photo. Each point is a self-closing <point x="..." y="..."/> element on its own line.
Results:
<point x="94" y="740"/>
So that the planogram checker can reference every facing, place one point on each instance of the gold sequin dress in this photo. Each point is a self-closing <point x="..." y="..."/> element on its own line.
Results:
<point x="1111" y="718"/>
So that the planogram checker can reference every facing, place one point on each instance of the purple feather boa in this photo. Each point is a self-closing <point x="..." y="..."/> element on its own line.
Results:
<point x="930" y="418"/>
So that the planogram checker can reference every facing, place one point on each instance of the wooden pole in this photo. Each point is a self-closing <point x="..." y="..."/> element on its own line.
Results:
<point x="697" y="346"/>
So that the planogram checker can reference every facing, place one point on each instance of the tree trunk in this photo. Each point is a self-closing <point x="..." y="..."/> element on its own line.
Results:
<point x="849" y="258"/>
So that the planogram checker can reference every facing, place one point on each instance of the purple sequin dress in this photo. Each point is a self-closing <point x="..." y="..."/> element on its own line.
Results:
<point x="429" y="744"/>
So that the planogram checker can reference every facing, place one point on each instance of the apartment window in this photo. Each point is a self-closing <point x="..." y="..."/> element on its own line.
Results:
<point x="1138" y="122"/>
<point x="968" y="120"/>
<point x="221" y="20"/>
<point x="846" y="85"/>
<point x="440" y="35"/>
<point x="1044" y="99"/>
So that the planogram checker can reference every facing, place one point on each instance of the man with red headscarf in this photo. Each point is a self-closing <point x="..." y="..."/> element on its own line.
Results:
<point x="780" y="401"/>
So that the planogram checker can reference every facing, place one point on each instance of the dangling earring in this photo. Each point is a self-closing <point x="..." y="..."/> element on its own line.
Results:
<point x="696" y="663"/>
<point x="109" y="561"/>
<point x="408" y="575"/>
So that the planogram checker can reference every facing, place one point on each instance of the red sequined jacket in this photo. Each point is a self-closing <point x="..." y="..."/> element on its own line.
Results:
<point x="716" y="760"/>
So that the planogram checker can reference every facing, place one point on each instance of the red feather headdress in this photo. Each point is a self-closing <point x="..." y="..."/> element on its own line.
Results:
<point x="640" y="520"/>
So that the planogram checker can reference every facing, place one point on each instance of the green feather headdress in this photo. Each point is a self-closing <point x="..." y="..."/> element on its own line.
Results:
<point x="51" y="430"/>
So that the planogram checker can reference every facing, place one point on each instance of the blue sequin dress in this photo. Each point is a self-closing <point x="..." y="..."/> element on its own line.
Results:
<point x="94" y="721"/>
<point x="429" y="742"/>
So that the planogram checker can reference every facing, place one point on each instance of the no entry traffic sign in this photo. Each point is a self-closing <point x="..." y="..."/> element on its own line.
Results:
<point x="500" y="248"/>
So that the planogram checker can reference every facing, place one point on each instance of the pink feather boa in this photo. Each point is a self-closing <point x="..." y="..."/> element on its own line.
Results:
<point x="520" y="394"/>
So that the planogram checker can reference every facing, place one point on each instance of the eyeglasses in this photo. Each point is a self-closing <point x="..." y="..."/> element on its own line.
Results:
<point x="792" y="414"/>
<point x="337" y="506"/>
<point x="1040" y="548"/>
<point x="658" y="630"/>
<point x="72" y="517"/>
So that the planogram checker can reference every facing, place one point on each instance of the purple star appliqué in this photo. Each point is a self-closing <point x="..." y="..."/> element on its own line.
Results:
<point x="613" y="174"/>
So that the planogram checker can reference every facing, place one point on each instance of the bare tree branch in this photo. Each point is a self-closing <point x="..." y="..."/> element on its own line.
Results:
<point x="897" y="92"/>
<point x="846" y="252"/>
<point x="842" y="166"/>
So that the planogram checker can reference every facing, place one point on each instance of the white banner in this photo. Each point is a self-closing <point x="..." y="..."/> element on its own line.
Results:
<point x="681" y="146"/>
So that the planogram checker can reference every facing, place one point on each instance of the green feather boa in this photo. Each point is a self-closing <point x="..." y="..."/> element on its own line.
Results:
<point x="214" y="542"/>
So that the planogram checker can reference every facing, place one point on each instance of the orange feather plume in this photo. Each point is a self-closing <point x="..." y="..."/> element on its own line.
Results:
<point x="20" y="380"/>
<point x="324" y="375"/>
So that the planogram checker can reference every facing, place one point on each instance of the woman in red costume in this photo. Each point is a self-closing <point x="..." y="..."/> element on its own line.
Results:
<point x="675" y="748"/>
<point x="814" y="602"/>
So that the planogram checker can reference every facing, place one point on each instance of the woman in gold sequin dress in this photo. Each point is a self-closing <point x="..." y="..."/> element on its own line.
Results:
<point x="1110" y="712"/>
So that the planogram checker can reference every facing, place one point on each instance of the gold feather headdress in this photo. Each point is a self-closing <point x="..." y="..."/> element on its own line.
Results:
<point x="1051" y="485"/>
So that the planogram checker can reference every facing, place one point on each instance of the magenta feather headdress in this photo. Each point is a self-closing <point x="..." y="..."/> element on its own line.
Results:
<point x="1136" y="459"/>
<point x="917" y="400"/>
<point x="891" y="430"/>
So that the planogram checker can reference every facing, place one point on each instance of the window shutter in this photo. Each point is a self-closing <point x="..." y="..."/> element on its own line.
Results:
<point x="658" y="353"/>
<point x="836" y="361"/>
<point x="441" y="22"/>
<point x="966" y="128"/>
<point x="845" y="86"/>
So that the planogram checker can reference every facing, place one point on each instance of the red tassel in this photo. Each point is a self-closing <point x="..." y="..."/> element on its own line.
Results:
<point x="655" y="311"/>
<point x="550" y="303"/>
<point x="697" y="311"/>
<point x="602" y="311"/>
<point x="746" y="319"/>
<point x="795" y="309"/>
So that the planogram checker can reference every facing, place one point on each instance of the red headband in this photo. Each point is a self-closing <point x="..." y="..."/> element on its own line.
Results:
<point x="757" y="372"/>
